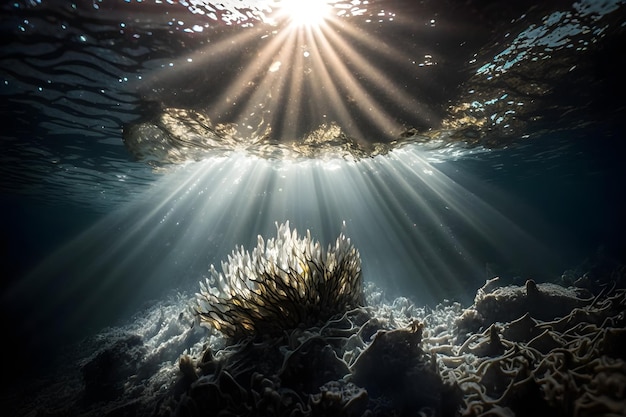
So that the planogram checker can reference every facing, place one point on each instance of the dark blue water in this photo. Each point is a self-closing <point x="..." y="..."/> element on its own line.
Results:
<point x="85" y="243"/>
<point x="572" y="183"/>
<point x="569" y="199"/>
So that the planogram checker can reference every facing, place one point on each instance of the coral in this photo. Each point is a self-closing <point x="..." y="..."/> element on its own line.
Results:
<point x="394" y="368"/>
<point x="310" y="365"/>
<point x="338" y="398"/>
<point x="379" y="366"/>
<point x="542" y="301"/>
<point x="562" y="356"/>
<point x="336" y="369"/>
<point x="382" y="359"/>
<point x="284" y="283"/>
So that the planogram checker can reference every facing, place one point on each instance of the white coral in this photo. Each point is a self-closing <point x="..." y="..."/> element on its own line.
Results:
<point x="285" y="282"/>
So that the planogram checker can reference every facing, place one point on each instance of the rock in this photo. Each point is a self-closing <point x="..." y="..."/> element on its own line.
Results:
<point x="311" y="365"/>
<point x="106" y="372"/>
<point x="504" y="304"/>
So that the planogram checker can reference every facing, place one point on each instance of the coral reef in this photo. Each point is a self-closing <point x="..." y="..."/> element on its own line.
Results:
<point x="302" y="350"/>
<point x="284" y="283"/>
<point x="542" y="301"/>
<point x="338" y="369"/>
<point x="505" y="355"/>
<point x="561" y="364"/>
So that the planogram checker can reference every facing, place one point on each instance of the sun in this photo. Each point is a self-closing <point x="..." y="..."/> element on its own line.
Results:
<point x="309" y="13"/>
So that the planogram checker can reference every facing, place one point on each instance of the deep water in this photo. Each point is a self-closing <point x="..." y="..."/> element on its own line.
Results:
<point x="568" y="198"/>
<point x="451" y="143"/>
<point x="572" y="180"/>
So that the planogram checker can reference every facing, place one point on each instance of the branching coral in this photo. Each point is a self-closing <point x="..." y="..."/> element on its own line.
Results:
<point x="285" y="282"/>
<point x="540" y="349"/>
<point x="557" y="367"/>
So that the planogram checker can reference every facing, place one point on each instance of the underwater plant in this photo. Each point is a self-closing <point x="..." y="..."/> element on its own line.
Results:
<point x="285" y="282"/>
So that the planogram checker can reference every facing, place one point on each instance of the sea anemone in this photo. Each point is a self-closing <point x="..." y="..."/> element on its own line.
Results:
<point x="284" y="283"/>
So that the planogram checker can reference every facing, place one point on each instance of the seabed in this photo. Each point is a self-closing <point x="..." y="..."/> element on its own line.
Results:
<point x="538" y="349"/>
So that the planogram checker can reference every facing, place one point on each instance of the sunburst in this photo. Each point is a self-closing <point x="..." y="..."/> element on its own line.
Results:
<point x="311" y="13"/>
<point x="316" y="63"/>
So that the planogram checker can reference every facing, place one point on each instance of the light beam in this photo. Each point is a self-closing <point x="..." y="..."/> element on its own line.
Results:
<point x="417" y="230"/>
<point x="314" y="63"/>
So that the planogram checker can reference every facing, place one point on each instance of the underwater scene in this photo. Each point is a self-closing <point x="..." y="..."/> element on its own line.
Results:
<point x="313" y="208"/>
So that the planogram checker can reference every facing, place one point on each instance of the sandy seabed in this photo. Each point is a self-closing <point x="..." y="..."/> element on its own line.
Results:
<point x="538" y="349"/>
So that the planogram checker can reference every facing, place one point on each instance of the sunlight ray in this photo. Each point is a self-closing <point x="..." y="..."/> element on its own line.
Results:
<point x="253" y="71"/>
<point x="218" y="49"/>
<point x="415" y="222"/>
<point x="294" y="93"/>
<point x="418" y="231"/>
<point x="385" y="84"/>
<point x="370" y="109"/>
<point x="357" y="38"/>
<point x="289" y="77"/>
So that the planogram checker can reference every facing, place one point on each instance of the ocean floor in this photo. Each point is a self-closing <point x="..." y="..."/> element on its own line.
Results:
<point x="536" y="349"/>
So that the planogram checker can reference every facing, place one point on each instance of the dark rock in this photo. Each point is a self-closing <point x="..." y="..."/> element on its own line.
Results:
<point x="106" y="372"/>
<point x="311" y="365"/>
